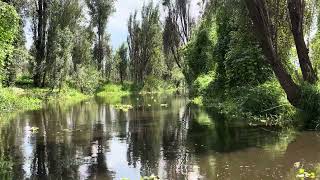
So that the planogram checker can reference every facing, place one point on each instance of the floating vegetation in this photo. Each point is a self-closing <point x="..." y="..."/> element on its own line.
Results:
<point x="123" y="107"/>
<point x="164" y="105"/>
<point x="152" y="177"/>
<point x="5" y="168"/>
<point x="34" y="130"/>
<point x="303" y="173"/>
<point x="67" y="130"/>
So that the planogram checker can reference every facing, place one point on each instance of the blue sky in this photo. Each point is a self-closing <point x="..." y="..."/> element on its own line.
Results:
<point x="117" y="25"/>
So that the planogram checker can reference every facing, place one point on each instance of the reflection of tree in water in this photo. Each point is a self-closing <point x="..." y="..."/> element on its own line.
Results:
<point x="98" y="169"/>
<point x="178" y="142"/>
<point x="144" y="139"/>
<point x="98" y="144"/>
<point x="64" y="134"/>
<point x="175" y="151"/>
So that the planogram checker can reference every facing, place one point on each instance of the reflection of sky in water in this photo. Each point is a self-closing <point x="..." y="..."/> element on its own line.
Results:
<point x="27" y="151"/>
<point x="178" y="142"/>
<point x="117" y="161"/>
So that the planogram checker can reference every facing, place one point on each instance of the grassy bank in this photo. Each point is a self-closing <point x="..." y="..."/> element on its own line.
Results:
<point x="264" y="104"/>
<point x="127" y="88"/>
<point x="22" y="99"/>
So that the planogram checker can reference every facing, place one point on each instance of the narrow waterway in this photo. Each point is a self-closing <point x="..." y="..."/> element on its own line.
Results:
<point x="97" y="140"/>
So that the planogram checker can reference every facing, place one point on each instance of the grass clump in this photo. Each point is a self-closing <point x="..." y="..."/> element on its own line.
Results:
<point x="310" y="104"/>
<point x="17" y="99"/>
<point x="111" y="89"/>
<point x="262" y="104"/>
<point x="123" y="107"/>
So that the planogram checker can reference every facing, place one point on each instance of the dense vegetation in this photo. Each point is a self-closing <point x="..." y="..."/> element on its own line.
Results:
<point x="248" y="59"/>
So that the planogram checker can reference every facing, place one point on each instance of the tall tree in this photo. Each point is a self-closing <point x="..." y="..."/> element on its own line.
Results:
<point x="177" y="27"/>
<point x="260" y="17"/>
<point x="64" y="17"/>
<point x="100" y="11"/>
<point x="9" y="23"/>
<point x="297" y="9"/>
<point x="40" y="22"/>
<point x="144" y="41"/>
<point x="123" y="63"/>
<point x="11" y="63"/>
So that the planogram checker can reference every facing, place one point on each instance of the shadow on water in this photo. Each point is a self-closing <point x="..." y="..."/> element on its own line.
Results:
<point x="161" y="135"/>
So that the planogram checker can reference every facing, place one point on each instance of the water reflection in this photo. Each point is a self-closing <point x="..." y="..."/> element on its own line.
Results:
<point x="93" y="140"/>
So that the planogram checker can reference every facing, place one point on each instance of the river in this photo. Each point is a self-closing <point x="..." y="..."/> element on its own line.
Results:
<point x="96" y="140"/>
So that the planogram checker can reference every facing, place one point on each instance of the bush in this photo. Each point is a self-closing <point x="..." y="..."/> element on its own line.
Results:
<point x="114" y="89"/>
<point x="16" y="99"/>
<point x="310" y="103"/>
<point x="86" y="79"/>
<point x="265" y="99"/>
<point x="201" y="84"/>
<point x="152" y="83"/>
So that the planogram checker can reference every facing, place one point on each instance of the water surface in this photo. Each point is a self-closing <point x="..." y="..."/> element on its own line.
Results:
<point x="95" y="140"/>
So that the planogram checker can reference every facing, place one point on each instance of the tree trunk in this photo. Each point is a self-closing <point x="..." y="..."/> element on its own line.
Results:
<point x="261" y="21"/>
<point x="40" y="41"/>
<point x="296" y="11"/>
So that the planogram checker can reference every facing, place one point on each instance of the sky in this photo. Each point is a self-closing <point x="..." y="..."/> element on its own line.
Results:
<point x="117" y="25"/>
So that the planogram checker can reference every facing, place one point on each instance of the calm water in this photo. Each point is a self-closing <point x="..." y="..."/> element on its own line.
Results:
<point x="93" y="140"/>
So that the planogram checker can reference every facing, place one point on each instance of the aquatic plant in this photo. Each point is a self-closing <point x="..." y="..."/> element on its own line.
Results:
<point x="302" y="173"/>
<point x="123" y="107"/>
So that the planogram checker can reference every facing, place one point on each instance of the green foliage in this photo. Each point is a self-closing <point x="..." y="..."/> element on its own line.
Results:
<point x="245" y="62"/>
<point x="5" y="168"/>
<point x="201" y="84"/>
<point x="113" y="90"/>
<point x="315" y="53"/>
<point x="122" y="62"/>
<point x="145" y="44"/>
<point x="152" y="83"/>
<point x="265" y="103"/>
<point x="9" y="23"/>
<point x="59" y="57"/>
<point x="17" y="99"/>
<point x="264" y="99"/>
<point x="198" y="100"/>
<point x="15" y="64"/>
<point x="198" y="52"/>
<point x="86" y="79"/>
<point x="310" y="104"/>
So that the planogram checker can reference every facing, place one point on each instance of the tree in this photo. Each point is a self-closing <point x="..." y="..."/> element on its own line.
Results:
<point x="64" y="16"/>
<point x="144" y="42"/>
<point x="296" y="11"/>
<point x="122" y="53"/>
<point x="177" y="28"/>
<point x="9" y="23"/>
<point x="12" y="64"/>
<point x="261" y="20"/>
<point x="100" y="11"/>
<point x="40" y="14"/>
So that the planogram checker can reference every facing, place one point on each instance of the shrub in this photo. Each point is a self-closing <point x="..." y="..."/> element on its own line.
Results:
<point x="86" y="79"/>
<point x="310" y="103"/>
<point x="201" y="84"/>
<point x="152" y="83"/>
<point x="264" y="99"/>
